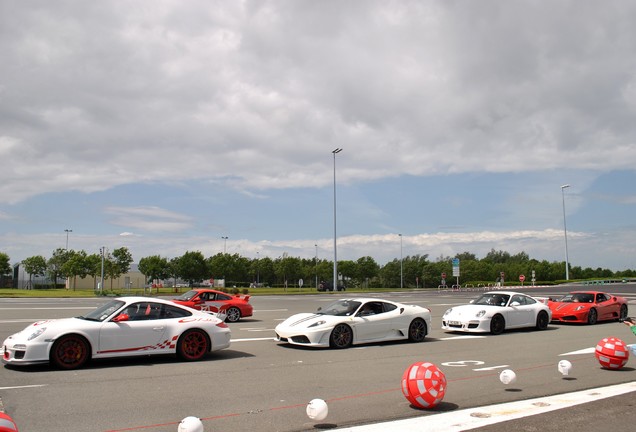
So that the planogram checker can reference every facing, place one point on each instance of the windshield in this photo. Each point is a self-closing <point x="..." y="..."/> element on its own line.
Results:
<point x="492" y="299"/>
<point x="578" y="298"/>
<point x="340" y="308"/>
<point x="103" y="312"/>
<point x="187" y="296"/>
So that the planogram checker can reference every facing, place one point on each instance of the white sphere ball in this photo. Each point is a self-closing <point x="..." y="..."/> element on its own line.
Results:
<point x="190" y="424"/>
<point x="317" y="409"/>
<point x="564" y="367"/>
<point x="507" y="376"/>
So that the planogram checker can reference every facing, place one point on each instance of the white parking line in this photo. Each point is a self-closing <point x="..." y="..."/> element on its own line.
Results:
<point x="582" y="351"/>
<point x="251" y="339"/>
<point x="21" y="387"/>
<point x="471" y="418"/>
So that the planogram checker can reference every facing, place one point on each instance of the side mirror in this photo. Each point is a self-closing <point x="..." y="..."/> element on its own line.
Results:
<point x="401" y="311"/>
<point x="515" y="304"/>
<point x="121" y="317"/>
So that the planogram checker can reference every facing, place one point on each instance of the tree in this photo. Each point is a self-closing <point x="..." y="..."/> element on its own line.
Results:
<point x="348" y="269"/>
<point x="5" y="265"/>
<point x="367" y="268"/>
<point x="55" y="263"/>
<point x="117" y="264"/>
<point x="75" y="265"/>
<point x="34" y="266"/>
<point x="154" y="267"/>
<point x="287" y="268"/>
<point x="94" y="267"/>
<point x="192" y="267"/>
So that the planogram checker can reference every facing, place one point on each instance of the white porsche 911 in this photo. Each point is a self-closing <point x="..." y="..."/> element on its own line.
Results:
<point x="497" y="311"/>
<point x="127" y="326"/>
<point x="355" y="321"/>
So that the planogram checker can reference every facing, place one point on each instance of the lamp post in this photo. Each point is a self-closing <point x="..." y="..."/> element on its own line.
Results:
<point x="67" y="231"/>
<point x="224" y="244"/>
<point x="401" y="265"/>
<point x="102" y="251"/>
<point x="565" y="232"/>
<point x="316" y="265"/>
<point x="258" y="269"/>
<point x="335" y="247"/>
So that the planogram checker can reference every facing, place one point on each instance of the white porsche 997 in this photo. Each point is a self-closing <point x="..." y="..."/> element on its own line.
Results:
<point x="123" y="327"/>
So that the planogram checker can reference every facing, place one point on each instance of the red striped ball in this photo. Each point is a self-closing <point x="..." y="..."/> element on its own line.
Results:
<point x="424" y="385"/>
<point x="612" y="353"/>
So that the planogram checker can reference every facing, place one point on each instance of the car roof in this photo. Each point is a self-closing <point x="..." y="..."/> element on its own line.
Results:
<point x="207" y="290"/>
<point x="134" y="299"/>
<point x="365" y="299"/>
<point x="507" y="292"/>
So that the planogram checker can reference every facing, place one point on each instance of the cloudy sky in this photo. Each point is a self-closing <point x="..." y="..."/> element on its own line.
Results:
<point x="164" y="126"/>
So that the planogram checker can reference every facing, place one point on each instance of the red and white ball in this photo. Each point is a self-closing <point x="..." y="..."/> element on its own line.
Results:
<point x="612" y="353"/>
<point x="424" y="385"/>
<point x="7" y="424"/>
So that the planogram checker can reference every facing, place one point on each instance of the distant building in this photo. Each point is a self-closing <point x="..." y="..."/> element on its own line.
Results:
<point x="134" y="279"/>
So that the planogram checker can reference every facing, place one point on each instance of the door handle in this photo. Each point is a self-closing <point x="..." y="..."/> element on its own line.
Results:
<point x="158" y="328"/>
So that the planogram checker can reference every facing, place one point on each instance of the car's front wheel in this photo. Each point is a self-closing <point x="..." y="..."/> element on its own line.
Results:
<point x="542" y="320"/>
<point x="592" y="316"/>
<point x="70" y="352"/>
<point x="193" y="345"/>
<point x="233" y="314"/>
<point x="417" y="330"/>
<point x="623" y="312"/>
<point x="341" y="336"/>
<point x="497" y="325"/>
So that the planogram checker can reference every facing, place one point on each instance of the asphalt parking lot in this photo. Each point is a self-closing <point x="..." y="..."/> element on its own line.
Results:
<point x="260" y="385"/>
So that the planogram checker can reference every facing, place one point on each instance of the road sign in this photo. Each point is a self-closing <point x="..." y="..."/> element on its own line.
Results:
<point x="443" y="275"/>
<point x="522" y="278"/>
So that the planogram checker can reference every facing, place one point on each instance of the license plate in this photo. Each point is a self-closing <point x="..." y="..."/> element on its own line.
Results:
<point x="454" y="323"/>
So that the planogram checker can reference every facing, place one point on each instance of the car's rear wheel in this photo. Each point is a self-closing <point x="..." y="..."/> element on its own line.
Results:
<point x="233" y="314"/>
<point x="193" y="345"/>
<point x="542" y="320"/>
<point x="417" y="330"/>
<point x="70" y="352"/>
<point x="341" y="336"/>
<point x="497" y="325"/>
<point x="592" y="316"/>
<point x="623" y="313"/>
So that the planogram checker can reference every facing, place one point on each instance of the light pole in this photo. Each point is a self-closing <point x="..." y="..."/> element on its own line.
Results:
<point x="401" y="265"/>
<point x="335" y="247"/>
<point x="102" y="251"/>
<point x="258" y="269"/>
<point x="224" y="244"/>
<point x="316" y="265"/>
<point x="565" y="232"/>
<point x="67" y="231"/>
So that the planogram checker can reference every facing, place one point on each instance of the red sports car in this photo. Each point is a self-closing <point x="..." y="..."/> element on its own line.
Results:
<point x="588" y="307"/>
<point x="235" y="307"/>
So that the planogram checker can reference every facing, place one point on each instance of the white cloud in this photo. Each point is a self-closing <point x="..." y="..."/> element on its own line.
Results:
<point x="252" y="97"/>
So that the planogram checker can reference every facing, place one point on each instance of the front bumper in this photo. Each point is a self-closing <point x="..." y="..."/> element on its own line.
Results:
<point x="16" y="352"/>
<point x="471" y="326"/>
<point x="318" y="339"/>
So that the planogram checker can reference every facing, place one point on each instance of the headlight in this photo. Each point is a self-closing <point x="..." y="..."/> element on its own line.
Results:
<point x="37" y="333"/>
<point x="317" y="323"/>
<point x="481" y="313"/>
<point x="448" y="311"/>
<point x="578" y="308"/>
